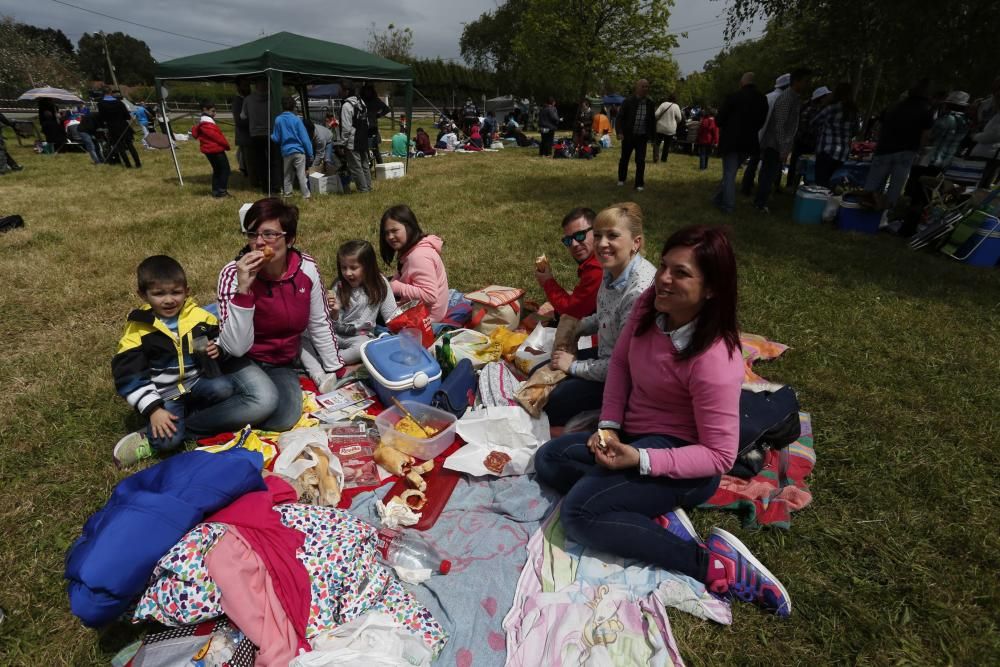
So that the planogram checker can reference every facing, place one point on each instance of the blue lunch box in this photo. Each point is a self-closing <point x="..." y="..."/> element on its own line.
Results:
<point x="402" y="368"/>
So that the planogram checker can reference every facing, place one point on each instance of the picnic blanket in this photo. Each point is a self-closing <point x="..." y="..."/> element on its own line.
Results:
<point x="574" y="605"/>
<point x="484" y="531"/>
<point x="769" y="498"/>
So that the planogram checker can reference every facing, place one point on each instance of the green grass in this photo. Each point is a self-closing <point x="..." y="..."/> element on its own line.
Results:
<point x="894" y="353"/>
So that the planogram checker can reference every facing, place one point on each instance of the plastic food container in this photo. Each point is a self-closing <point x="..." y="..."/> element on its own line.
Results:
<point x="421" y="448"/>
<point x="400" y="367"/>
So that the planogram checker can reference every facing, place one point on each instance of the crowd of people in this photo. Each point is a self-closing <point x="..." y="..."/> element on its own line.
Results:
<point x="666" y="435"/>
<point x="920" y="135"/>
<point x="105" y="131"/>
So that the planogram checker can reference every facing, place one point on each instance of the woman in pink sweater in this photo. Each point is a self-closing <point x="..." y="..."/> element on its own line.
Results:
<point x="420" y="272"/>
<point x="669" y="428"/>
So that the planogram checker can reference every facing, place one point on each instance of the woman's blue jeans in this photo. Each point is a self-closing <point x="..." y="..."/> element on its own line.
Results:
<point x="613" y="510"/>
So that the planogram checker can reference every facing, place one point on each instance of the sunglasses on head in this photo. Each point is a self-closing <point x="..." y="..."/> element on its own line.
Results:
<point x="579" y="237"/>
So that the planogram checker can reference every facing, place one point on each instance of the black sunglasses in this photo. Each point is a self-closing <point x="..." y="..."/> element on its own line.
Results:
<point x="579" y="237"/>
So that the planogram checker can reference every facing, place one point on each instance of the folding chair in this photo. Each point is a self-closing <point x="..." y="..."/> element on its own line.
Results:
<point x="969" y="225"/>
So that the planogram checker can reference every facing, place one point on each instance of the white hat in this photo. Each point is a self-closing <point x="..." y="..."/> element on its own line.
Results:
<point x="783" y="81"/>
<point x="958" y="98"/>
<point x="243" y="216"/>
<point x="822" y="91"/>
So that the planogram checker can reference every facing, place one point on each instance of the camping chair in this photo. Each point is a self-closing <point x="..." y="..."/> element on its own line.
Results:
<point x="965" y="171"/>
<point x="26" y="129"/>
<point x="971" y="225"/>
<point x="946" y="207"/>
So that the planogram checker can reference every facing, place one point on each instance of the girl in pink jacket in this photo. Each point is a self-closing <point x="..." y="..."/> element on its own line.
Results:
<point x="420" y="272"/>
<point x="669" y="428"/>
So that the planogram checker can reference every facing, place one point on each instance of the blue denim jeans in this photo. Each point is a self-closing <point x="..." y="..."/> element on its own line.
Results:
<point x="894" y="166"/>
<point x="613" y="510"/>
<point x="704" y="152"/>
<point x="269" y="397"/>
<point x="725" y="195"/>
<point x="193" y="411"/>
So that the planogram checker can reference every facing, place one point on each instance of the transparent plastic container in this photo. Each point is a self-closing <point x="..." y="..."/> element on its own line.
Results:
<point x="421" y="448"/>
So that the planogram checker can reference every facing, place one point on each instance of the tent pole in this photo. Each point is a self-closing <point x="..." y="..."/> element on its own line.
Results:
<point x="409" y="120"/>
<point x="170" y="133"/>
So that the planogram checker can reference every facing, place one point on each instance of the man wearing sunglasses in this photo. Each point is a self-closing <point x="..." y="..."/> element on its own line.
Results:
<point x="578" y="238"/>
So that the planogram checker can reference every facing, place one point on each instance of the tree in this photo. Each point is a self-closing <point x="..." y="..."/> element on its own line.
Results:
<point x="883" y="47"/>
<point x="486" y="43"/>
<point x="133" y="62"/>
<point x="566" y="46"/>
<point x="56" y="37"/>
<point x="392" y="43"/>
<point x="31" y="57"/>
<point x="569" y="48"/>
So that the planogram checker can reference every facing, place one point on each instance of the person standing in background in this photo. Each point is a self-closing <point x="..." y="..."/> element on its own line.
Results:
<point x="548" y="122"/>
<point x="668" y="115"/>
<point x="241" y="124"/>
<point x="743" y="114"/>
<point x="636" y="126"/>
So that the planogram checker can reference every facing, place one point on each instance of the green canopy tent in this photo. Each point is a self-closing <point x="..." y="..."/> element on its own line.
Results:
<point x="285" y="59"/>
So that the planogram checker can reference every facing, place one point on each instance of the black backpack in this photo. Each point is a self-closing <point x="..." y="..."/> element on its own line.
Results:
<point x="11" y="222"/>
<point x="768" y="420"/>
<point x="360" y="122"/>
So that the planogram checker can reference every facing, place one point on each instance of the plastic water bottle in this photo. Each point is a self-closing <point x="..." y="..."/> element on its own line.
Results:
<point x="411" y="551"/>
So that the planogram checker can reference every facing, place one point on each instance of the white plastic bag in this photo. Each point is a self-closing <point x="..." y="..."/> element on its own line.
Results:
<point x="536" y="349"/>
<point x="368" y="640"/>
<point x="469" y="344"/>
<point x="294" y="442"/>
<point x="508" y="430"/>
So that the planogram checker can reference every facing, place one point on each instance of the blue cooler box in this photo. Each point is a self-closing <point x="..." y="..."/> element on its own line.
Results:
<point x="810" y="201"/>
<point x="852" y="218"/>
<point x="402" y="368"/>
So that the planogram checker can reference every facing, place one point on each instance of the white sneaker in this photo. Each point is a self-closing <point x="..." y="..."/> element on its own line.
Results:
<point x="621" y="183"/>
<point x="131" y="449"/>
<point x="639" y="188"/>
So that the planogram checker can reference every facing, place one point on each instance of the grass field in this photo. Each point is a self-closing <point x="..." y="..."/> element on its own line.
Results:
<point x="894" y="353"/>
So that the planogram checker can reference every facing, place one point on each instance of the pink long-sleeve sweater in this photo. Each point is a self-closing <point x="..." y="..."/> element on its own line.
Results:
<point x="650" y="391"/>
<point x="422" y="276"/>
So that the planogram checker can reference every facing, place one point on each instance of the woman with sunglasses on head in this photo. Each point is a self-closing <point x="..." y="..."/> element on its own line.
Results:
<point x="618" y="246"/>
<point x="669" y="429"/>
<point x="270" y="296"/>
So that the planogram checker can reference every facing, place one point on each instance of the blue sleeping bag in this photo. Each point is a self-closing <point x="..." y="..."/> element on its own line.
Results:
<point x="148" y="512"/>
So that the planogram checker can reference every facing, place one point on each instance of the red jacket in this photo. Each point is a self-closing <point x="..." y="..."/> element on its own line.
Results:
<point x="583" y="300"/>
<point x="708" y="132"/>
<point x="209" y="136"/>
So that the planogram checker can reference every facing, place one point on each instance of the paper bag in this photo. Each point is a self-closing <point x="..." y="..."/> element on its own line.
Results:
<point x="536" y="349"/>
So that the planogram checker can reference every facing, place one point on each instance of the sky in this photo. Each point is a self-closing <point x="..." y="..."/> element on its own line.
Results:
<point x="436" y="24"/>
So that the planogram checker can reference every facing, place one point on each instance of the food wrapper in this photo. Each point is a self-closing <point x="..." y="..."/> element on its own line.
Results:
<point x="508" y="430"/>
<point x="509" y="341"/>
<point x="246" y="438"/>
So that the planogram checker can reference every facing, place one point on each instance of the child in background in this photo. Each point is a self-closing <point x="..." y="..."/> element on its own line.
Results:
<point x="296" y="147"/>
<point x="708" y="137"/>
<point x="420" y="272"/>
<point x="159" y="369"/>
<point x="357" y="298"/>
<point x="214" y="146"/>
<point x="475" y="137"/>
<point x="400" y="144"/>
